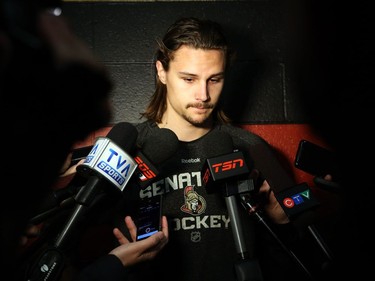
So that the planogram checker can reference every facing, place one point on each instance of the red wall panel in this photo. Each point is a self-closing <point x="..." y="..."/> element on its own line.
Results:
<point x="284" y="138"/>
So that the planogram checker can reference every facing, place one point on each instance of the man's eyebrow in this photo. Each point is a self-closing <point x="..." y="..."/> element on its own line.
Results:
<point x="220" y="74"/>
<point x="187" y="73"/>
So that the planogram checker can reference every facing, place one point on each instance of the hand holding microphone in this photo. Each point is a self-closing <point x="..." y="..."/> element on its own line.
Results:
<point x="148" y="156"/>
<point x="110" y="167"/>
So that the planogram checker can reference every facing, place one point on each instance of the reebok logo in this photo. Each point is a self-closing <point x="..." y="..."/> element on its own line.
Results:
<point x="191" y="160"/>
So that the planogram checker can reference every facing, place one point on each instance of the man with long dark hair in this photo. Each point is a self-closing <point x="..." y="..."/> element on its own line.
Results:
<point x="191" y="63"/>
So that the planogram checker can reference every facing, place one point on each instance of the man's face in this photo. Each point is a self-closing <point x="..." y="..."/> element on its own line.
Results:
<point x="194" y="83"/>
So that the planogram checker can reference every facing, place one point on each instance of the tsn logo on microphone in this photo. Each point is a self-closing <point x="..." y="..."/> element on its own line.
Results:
<point x="109" y="160"/>
<point x="296" y="199"/>
<point x="222" y="167"/>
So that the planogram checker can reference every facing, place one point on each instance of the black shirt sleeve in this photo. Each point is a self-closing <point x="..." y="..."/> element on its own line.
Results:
<point x="108" y="267"/>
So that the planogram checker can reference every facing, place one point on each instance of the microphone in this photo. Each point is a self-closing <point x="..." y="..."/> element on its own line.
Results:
<point x="108" y="162"/>
<point x="297" y="199"/>
<point x="119" y="169"/>
<point x="108" y="158"/>
<point x="64" y="197"/>
<point x="228" y="173"/>
<point x="160" y="146"/>
<point x="156" y="149"/>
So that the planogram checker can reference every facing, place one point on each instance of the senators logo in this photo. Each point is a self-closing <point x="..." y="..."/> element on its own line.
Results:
<point x="194" y="203"/>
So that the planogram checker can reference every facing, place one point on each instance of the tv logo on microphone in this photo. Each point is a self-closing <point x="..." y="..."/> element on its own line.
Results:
<point x="146" y="169"/>
<point x="109" y="160"/>
<point x="228" y="165"/>
<point x="296" y="199"/>
<point x="219" y="168"/>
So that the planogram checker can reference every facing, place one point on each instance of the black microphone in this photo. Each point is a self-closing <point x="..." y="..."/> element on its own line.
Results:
<point x="160" y="146"/>
<point x="297" y="199"/>
<point x="105" y="162"/>
<point x="149" y="156"/>
<point x="108" y="162"/>
<point x="110" y="158"/>
<point x="228" y="172"/>
<point x="63" y="198"/>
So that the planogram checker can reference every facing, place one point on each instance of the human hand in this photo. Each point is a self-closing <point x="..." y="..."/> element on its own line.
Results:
<point x="31" y="233"/>
<point x="131" y="253"/>
<point x="265" y="199"/>
<point x="328" y="183"/>
<point x="271" y="206"/>
<point x="66" y="169"/>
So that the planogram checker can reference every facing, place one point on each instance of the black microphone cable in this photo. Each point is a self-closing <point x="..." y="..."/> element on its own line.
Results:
<point x="245" y="199"/>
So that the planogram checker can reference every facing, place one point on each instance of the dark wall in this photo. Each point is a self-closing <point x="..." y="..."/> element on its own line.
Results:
<point x="123" y="35"/>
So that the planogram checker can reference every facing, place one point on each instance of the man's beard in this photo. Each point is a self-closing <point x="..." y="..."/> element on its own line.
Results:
<point x="201" y="123"/>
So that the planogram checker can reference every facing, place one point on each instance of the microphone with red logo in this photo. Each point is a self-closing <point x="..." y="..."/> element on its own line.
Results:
<point x="159" y="146"/>
<point x="227" y="172"/>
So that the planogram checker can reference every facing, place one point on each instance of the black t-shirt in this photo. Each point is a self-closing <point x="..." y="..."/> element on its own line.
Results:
<point x="202" y="244"/>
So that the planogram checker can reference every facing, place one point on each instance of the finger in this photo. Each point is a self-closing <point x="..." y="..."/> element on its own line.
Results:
<point x="265" y="187"/>
<point x="131" y="227"/>
<point x="120" y="236"/>
<point x="164" y="226"/>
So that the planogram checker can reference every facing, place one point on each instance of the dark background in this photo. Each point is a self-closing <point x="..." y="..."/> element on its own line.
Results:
<point x="123" y="35"/>
<point x="301" y="65"/>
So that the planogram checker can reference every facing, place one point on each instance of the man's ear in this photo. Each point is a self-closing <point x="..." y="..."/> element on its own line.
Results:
<point x="160" y="71"/>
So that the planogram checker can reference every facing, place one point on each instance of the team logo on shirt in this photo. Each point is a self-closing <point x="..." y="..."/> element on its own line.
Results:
<point x="194" y="203"/>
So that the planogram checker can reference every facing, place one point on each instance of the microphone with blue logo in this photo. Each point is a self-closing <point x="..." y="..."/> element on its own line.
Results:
<point x="114" y="162"/>
<point x="110" y="159"/>
<point x="108" y="165"/>
<point x="149" y="156"/>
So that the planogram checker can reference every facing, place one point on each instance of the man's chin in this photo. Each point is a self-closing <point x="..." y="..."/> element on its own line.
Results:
<point x="199" y="122"/>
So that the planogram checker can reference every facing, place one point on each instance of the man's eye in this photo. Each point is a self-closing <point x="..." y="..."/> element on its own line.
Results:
<point x="188" y="79"/>
<point x="215" y="80"/>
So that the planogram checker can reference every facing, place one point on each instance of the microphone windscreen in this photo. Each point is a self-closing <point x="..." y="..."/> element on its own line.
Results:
<point x="124" y="135"/>
<point x="217" y="143"/>
<point x="160" y="146"/>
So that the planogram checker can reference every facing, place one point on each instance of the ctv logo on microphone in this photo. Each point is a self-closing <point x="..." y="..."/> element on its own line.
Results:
<point x="296" y="199"/>
<point x="111" y="161"/>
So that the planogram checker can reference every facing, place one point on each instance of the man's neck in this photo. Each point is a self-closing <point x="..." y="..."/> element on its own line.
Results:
<point x="187" y="132"/>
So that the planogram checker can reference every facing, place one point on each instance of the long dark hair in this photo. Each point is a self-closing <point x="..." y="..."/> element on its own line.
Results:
<point x="193" y="32"/>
